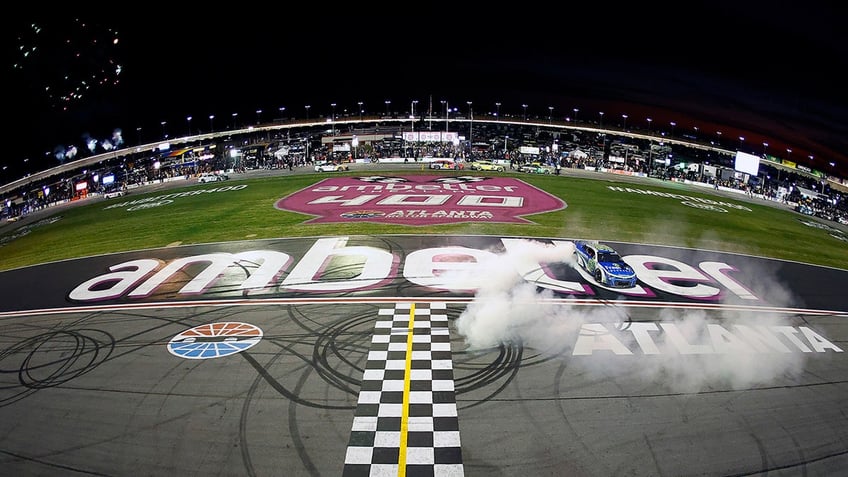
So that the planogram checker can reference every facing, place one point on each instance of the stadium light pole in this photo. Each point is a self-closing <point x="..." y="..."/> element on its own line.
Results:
<point x="470" y="124"/>
<point x="602" y="134"/>
<point x="765" y="145"/>
<point x="164" y="135"/>
<point x="550" y="114"/>
<point x="624" y="116"/>
<point x="258" y="114"/>
<point x="672" y="128"/>
<point x="525" y="112"/>
<point x="359" y="103"/>
<point x="575" y="115"/>
<point x="412" y="116"/>
<point x="282" y="111"/>
<point x="388" y="102"/>
<point x="138" y="133"/>
<point x="235" y="115"/>
<point x="188" y="120"/>
<point x="211" y="127"/>
<point x="333" y="105"/>
<point x="307" y="111"/>
<point x="650" y="147"/>
<point x="498" y="113"/>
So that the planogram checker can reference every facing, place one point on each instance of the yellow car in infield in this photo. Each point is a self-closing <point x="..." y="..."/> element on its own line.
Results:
<point x="485" y="166"/>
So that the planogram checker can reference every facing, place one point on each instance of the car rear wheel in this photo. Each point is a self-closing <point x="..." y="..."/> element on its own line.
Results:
<point x="598" y="276"/>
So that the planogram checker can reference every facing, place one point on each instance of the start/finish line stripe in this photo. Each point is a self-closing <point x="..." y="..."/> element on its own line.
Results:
<point x="406" y="420"/>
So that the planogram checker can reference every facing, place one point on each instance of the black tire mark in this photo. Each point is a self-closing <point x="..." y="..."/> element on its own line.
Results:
<point x="68" y="354"/>
<point x="63" y="468"/>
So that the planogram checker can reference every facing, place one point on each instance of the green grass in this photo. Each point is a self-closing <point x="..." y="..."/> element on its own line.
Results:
<point x="593" y="212"/>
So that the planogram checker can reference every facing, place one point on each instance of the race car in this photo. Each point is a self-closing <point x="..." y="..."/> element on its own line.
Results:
<point x="212" y="177"/>
<point x="604" y="264"/>
<point x="330" y="167"/>
<point x="485" y="166"/>
<point x="445" y="164"/>
<point x="536" y="168"/>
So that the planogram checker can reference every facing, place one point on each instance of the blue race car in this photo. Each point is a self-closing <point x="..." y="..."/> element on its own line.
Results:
<point x="604" y="264"/>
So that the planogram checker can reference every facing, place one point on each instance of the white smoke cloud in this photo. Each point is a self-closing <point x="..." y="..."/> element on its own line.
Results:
<point x="688" y="350"/>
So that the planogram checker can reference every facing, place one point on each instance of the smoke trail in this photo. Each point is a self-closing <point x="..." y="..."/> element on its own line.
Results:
<point x="685" y="350"/>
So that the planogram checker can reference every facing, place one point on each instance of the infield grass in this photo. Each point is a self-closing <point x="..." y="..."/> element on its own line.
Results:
<point x="594" y="211"/>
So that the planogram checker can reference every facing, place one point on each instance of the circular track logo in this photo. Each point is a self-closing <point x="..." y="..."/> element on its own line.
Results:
<point x="215" y="340"/>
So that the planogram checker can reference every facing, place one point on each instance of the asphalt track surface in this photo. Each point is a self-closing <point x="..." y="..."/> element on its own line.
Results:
<point x="95" y="391"/>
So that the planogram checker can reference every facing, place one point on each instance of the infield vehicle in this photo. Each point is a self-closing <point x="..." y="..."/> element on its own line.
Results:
<point x="485" y="166"/>
<point x="212" y="177"/>
<point x="445" y="164"/>
<point x="604" y="264"/>
<point x="536" y="168"/>
<point x="330" y="167"/>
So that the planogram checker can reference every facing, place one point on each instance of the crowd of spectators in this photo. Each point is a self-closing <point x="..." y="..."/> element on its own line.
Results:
<point x="507" y="144"/>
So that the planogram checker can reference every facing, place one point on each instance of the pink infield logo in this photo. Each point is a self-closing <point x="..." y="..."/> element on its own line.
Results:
<point x="420" y="200"/>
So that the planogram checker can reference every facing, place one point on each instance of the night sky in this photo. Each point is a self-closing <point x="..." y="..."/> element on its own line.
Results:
<point x="767" y="71"/>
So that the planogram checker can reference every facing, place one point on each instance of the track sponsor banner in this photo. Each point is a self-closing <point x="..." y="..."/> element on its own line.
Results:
<point x="421" y="200"/>
<point x="440" y="266"/>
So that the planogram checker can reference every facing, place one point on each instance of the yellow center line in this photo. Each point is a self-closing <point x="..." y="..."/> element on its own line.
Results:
<point x="404" y="419"/>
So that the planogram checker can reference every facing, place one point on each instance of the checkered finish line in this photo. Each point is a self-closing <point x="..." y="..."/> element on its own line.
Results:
<point x="406" y="422"/>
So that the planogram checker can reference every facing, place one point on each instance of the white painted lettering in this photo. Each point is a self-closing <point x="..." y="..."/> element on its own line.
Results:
<point x="789" y="333"/>
<point x="718" y="271"/>
<point x="263" y="268"/>
<point x="648" y="270"/>
<point x="260" y="266"/>
<point x="375" y="267"/>
<point x="490" y="201"/>
<point x="820" y="344"/>
<point x="336" y="199"/>
<point x="121" y="278"/>
<point x="447" y="268"/>
<point x="218" y="262"/>
<point x="761" y="339"/>
<point x="595" y="336"/>
<point x="676" y="338"/>
<point x="415" y="199"/>
<point x="726" y="342"/>
<point x="641" y="332"/>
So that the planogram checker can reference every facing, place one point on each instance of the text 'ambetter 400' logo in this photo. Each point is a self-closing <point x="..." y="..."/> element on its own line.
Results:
<point x="421" y="200"/>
